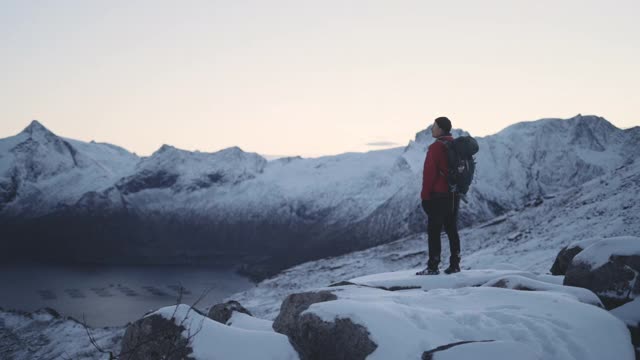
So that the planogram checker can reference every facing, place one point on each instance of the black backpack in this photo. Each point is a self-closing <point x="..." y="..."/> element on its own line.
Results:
<point x="462" y="165"/>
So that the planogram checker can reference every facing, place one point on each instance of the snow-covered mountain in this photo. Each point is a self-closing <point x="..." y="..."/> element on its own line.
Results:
<point x="39" y="171"/>
<point x="79" y="200"/>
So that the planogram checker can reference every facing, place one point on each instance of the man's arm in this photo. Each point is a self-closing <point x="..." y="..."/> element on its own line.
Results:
<point x="430" y="171"/>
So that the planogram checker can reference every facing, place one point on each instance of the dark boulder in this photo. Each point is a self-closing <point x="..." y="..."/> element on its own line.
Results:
<point x="223" y="312"/>
<point x="566" y="255"/>
<point x="315" y="338"/>
<point x="610" y="269"/>
<point x="563" y="260"/>
<point x="155" y="337"/>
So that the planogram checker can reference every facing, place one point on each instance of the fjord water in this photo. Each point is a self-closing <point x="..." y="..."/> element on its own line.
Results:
<point x="113" y="295"/>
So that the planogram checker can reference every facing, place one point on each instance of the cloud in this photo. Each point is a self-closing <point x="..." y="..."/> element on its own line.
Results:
<point x="382" y="143"/>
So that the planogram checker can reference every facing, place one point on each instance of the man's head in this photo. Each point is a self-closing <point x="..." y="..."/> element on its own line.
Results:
<point x="441" y="126"/>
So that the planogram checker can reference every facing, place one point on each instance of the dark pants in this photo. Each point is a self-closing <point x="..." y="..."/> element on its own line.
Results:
<point x="442" y="211"/>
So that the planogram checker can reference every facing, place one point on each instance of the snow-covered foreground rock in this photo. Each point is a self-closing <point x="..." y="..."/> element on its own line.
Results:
<point x="566" y="255"/>
<point x="182" y="332"/>
<point x="406" y="324"/>
<point x="610" y="268"/>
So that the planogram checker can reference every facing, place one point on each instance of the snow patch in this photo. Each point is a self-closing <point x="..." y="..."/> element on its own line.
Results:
<point x="629" y="312"/>
<point x="244" y="321"/>
<point x="599" y="253"/>
<point x="213" y="340"/>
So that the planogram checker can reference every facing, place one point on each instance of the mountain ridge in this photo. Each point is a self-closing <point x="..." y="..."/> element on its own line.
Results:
<point x="235" y="201"/>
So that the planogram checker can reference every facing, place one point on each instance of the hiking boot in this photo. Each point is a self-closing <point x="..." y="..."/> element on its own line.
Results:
<point x="452" y="269"/>
<point x="429" y="271"/>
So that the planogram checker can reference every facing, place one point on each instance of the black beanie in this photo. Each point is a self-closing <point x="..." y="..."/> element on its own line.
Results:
<point x="444" y="123"/>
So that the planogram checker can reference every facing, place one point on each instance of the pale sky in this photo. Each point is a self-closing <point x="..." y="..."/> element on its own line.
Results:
<point x="310" y="78"/>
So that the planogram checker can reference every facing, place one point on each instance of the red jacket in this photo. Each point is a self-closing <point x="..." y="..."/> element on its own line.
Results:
<point x="436" y="169"/>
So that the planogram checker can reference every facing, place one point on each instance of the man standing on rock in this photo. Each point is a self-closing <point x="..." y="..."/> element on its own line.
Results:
<point x="440" y="205"/>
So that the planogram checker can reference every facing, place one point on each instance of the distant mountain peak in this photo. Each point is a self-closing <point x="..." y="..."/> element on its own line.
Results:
<point x="588" y="118"/>
<point x="171" y="151"/>
<point x="165" y="147"/>
<point x="232" y="150"/>
<point x="35" y="127"/>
